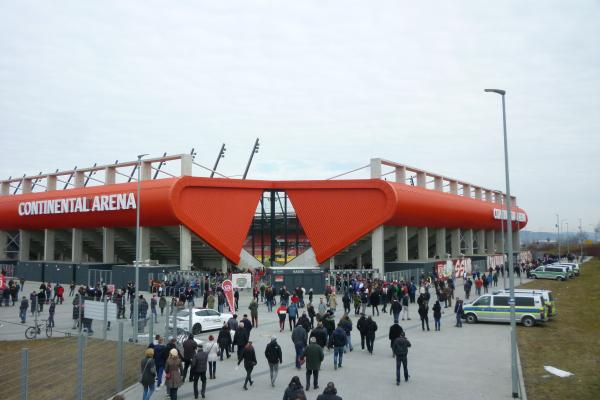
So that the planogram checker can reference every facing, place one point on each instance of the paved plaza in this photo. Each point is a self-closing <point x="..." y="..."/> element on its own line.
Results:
<point x="472" y="362"/>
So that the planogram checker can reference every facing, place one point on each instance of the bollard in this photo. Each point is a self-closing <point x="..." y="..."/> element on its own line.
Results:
<point x="24" y="373"/>
<point x="80" y="350"/>
<point x="190" y="318"/>
<point x="120" y="358"/>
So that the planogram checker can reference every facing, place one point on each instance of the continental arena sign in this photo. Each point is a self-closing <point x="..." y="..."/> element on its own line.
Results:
<point x="111" y="202"/>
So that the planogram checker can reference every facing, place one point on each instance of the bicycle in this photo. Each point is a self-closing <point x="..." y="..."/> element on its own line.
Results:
<point x="31" y="333"/>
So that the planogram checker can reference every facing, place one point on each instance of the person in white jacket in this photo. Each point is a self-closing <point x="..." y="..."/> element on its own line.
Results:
<point x="212" y="349"/>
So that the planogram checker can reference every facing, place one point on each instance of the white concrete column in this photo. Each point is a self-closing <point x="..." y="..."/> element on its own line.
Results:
<point x="4" y="191"/>
<point x="25" y="236"/>
<point x="223" y="265"/>
<point x="77" y="235"/>
<point x="468" y="238"/>
<point x="455" y="242"/>
<point x="401" y="174"/>
<point x="145" y="175"/>
<point x="377" y="250"/>
<point x="422" y="179"/>
<point x="480" y="241"/>
<point x="49" y="234"/>
<point x="359" y="261"/>
<point x="186" y="164"/>
<point x="438" y="184"/>
<point x="440" y="243"/>
<point x="453" y="187"/>
<point x="423" y="243"/>
<point x="402" y="243"/>
<point x="375" y="168"/>
<point x="332" y="263"/>
<point x="108" y="234"/>
<point x="490" y="241"/>
<point x="185" y="248"/>
<point x="466" y="190"/>
<point x="478" y="193"/>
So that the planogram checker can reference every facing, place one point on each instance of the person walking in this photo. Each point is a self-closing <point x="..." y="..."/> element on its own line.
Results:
<point x="437" y="315"/>
<point x="211" y="349"/>
<point x="23" y="309"/>
<point x="199" y="363"/>
<point x="224" y="341"/>
<point x="159" y="360"/>
<point x="249" y="358"/>
<point x="361" y="325"/>
<point x="458" y="310"/>
<point x="423" y="312"/>
<point x="339" y="339"/>
<point x="282" y="314"/>
<point x="173" y="371"/>
<point x="400" y="348"/>
<point x="153" y="304"/>
<point x="253" y="307"/>
<point x="162" y="304"/>
<point x="292" y="311"/>
<point x="299" y="338"/>
<point x="396" y="308"/>
<point x="294" y="391"/>
<point x="241" y="338"/>
<point x="395" y="332"/>
<point x="51" y="311"/>
<point x="314" y="357"/>
<point x="274" y="358"/>
<point x="189" y="350"/>
<point x="346" y="302"/>
<point x="370" y="329"/>
<point x="148" y="375"/>
<point x="405" y="307"/>
<point x="320" y="335"/>
<point x="330" y="393"/>
<point x="346" y="323"/>
<point x="374" y="302"/>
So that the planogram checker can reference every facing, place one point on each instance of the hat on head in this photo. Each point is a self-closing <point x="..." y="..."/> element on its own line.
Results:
<point x="273" y="338"/>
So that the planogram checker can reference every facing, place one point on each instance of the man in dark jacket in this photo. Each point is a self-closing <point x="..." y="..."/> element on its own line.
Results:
<point x="199" y="363"/>
<point x="249" y="357"/>
<point x="294" y="390"/>
<point x="396" y="308"/>
<point x="299" y="338"/>
<point x="458" y="309"/>
<point x="329" y="324"/>
<point x="224" y="340"/>
<point x="346" y="323"/>
<point x="361" y="325"/>
<point x="330" y="393"/>
<point x="247" y="324"/>
<point x="274" y="358"/>
<point x="395" y="332"/>
<point x="304" y="321"/>
<point x="314" y="357"/>
<point x="189" y="350"/>
<point x="23" y="309"/>
<point x="370" y="329"/>
<point x="240" y="339"/>
<point x="400" y="348"/>
<point x="320" y="335"/>
<point x="338" y="338"/>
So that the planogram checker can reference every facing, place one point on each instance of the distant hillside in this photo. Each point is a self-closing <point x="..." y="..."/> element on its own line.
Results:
<point x="529" y="236"/>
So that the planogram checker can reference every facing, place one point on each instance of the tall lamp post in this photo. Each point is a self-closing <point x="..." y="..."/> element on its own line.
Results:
<point x="567" y="236"/>
<point x="511" y="275"/>
<point x="138" y="252"/>
<point x="558" y="234"/>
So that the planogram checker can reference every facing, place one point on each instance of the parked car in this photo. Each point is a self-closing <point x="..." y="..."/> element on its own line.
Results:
<point x="203" y="319"/>
<point x="550" y="272"/>
<point x="574" y="267"/>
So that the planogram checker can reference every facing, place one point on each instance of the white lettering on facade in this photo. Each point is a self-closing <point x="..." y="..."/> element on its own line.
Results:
<point x="113" y="202"/>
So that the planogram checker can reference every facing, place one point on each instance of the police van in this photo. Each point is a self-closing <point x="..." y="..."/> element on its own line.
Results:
<point x="551" y="310"/>
<point x="530" y="308"/>
<point x="557" y="272"/>
<point x="573" y="266"/>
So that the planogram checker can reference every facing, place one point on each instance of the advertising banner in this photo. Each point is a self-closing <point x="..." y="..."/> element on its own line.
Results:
<point x="242" y="281"/>
<point x="227" y="287"/>
<point x="462" y="265"/>
<point x="444" y="269"/>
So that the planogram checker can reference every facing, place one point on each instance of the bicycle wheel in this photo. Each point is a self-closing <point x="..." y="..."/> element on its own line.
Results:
<point x="48" y="331"/>
<point x="30" y="332"/>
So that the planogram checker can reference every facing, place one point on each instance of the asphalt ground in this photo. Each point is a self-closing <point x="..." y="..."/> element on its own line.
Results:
<point x="472" y="362"/>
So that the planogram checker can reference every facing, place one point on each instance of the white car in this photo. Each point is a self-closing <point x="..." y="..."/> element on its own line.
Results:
<point x="203" y="319"/>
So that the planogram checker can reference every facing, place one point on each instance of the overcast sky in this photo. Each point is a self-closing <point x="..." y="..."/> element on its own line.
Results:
<point x="326" y="85"/>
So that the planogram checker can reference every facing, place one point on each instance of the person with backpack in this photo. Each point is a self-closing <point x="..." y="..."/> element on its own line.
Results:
<point x="274" y="358"/>
<point x="199" y="366"/>
<point x="148" y="375"/>
<point x="400" y="349"/>
<point x="395" y="332"/>
<point x="339" y="339"/>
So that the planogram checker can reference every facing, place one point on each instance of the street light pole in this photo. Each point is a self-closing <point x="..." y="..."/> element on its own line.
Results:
<point x="511" y="275"/>
<point x="137" y="252"/>
<point x="580" y="242"/>
<point x="558" y="234"/>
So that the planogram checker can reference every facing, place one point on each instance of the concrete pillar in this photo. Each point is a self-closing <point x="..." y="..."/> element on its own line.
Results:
<point x="480" y="234"/>
<point x="402" y="244"/>
<point x="490" y="241"/>
<point x="108" y="234"/>
<point x="478" y="193"/>
<point x="377" y="250"/>
<point x="499" y="241"/>
<point x="375" y="168"/>
<point x="468" y="238"/>
<point x="4" y="191"/>
<point x="422" y="179"/>
<point x="185" y="248"/>
<point x="489" y="196"/>
<point x="223" y="265"/>
<point x="401" y="174"/>
<point x="438" y="184"/>
<point x="145" y="174"/>
<point x="466" y="190"/>
<point x="455" y="242"/>
<point x="453" y="187"/>
<point x="440" y="243"/>
<point x="423" y="243"/>
<point x="185" y="235"/>
<point x="359" y="262"/>
<point x="332" y="263"/>
<point x="49" y="234"/>
<point x="77" y="236"/>
<point x="25" y="236"/>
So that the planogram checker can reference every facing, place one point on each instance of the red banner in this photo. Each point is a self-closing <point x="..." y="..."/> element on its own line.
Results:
<point x="228" y="291"/>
